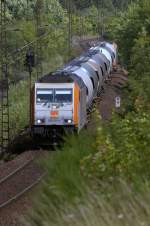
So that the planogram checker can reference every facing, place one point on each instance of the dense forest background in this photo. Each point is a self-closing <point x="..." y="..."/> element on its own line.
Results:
<point x="109" y="4"/>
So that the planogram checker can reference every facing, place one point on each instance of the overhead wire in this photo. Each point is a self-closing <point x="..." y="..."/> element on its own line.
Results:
<point x="22" y="48"/>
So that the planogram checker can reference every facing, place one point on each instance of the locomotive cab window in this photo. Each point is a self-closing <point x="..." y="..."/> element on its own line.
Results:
<point x="44" y="96"/>
<point x="63" y="96"/>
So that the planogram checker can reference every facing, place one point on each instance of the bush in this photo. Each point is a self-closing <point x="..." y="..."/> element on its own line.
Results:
<point x="122" y="149"/>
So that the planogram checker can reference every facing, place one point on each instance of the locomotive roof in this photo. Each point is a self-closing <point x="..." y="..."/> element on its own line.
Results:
<point x="62" y="77"/>
<point x="58" y="77"/>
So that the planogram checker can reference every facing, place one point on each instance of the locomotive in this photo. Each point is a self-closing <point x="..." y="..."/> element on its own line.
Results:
<point x="60" y="100"/>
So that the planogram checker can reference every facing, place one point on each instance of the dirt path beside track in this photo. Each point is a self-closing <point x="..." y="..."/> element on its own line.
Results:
<point x="113" y="89"/>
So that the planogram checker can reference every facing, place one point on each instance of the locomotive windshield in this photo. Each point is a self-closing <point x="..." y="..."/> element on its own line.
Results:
<point x="54" y="96"/>
<point x="44" y="95"/>
<point x="63" y="96"/>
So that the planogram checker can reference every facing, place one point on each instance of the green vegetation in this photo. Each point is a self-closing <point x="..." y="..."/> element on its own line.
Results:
<point x="102" y="177"/>
<point x="121" y="206"/>
<point x="122" y="149"/>
<point x="85" y="180"/>
<point x="123" y="145"/>
<point x="77" y="193"/>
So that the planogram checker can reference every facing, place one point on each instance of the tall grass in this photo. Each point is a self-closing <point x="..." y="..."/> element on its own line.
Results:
<point x="63" y="166"/>
<point x="119" y="206"/>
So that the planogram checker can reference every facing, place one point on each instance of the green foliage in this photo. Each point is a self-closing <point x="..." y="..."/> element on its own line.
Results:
<point x="18" y="9"/>
<point x="140" y="57"/>
<point x="65" y="198"/>
<point x="108" y="4"/>
<point x="19" y="108"/>
<point x="129" y="25"/>
<point x="123" y="149"/>
<point x="119" y="150"/>
<point x="139" y="71"/>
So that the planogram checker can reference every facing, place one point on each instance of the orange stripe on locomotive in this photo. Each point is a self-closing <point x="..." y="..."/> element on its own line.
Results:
<point x="76" y="104"/>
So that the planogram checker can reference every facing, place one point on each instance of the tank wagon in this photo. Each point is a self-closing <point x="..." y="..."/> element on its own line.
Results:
<point x="61" y="100"/>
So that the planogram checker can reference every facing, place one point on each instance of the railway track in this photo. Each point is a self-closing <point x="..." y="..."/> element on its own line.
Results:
<point x="21" y="180"/>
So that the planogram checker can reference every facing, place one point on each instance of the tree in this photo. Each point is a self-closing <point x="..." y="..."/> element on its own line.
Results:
<point x="126" y="28"/>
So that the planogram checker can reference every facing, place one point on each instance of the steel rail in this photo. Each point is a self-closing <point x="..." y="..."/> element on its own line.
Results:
<point x="14" y="198"/>
<point x="16" y="171"/>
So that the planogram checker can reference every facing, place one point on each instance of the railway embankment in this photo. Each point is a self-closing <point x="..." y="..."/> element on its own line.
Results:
<point x="112" y="98"/>
<point x="18" y="178"/>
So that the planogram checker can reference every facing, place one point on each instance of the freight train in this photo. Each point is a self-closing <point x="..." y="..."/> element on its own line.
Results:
<point x="60" y="100"/>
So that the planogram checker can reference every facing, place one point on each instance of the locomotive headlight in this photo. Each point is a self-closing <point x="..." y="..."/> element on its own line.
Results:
<point x="40" y="121"/>
<point x="69" y="121"/>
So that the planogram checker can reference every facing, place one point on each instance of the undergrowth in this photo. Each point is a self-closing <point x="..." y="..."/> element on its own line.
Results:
<point x="69" y="197"/>
<point x="120" y="207"/>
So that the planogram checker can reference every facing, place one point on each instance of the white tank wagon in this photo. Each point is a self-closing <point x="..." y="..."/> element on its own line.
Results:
<point x="101" y="61"/>
<point x="91" y="72"/>
<point x="84" y="75"/>
<point x="93" y="76"/>
<point x="98" y="71"/>
<point x="109" y="50"/>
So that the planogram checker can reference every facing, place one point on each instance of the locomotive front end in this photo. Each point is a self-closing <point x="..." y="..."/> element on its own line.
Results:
<point x="55" y="108"/>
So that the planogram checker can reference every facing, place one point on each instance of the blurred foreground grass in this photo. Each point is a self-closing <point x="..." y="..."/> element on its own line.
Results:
<point x="68" y="198"/>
